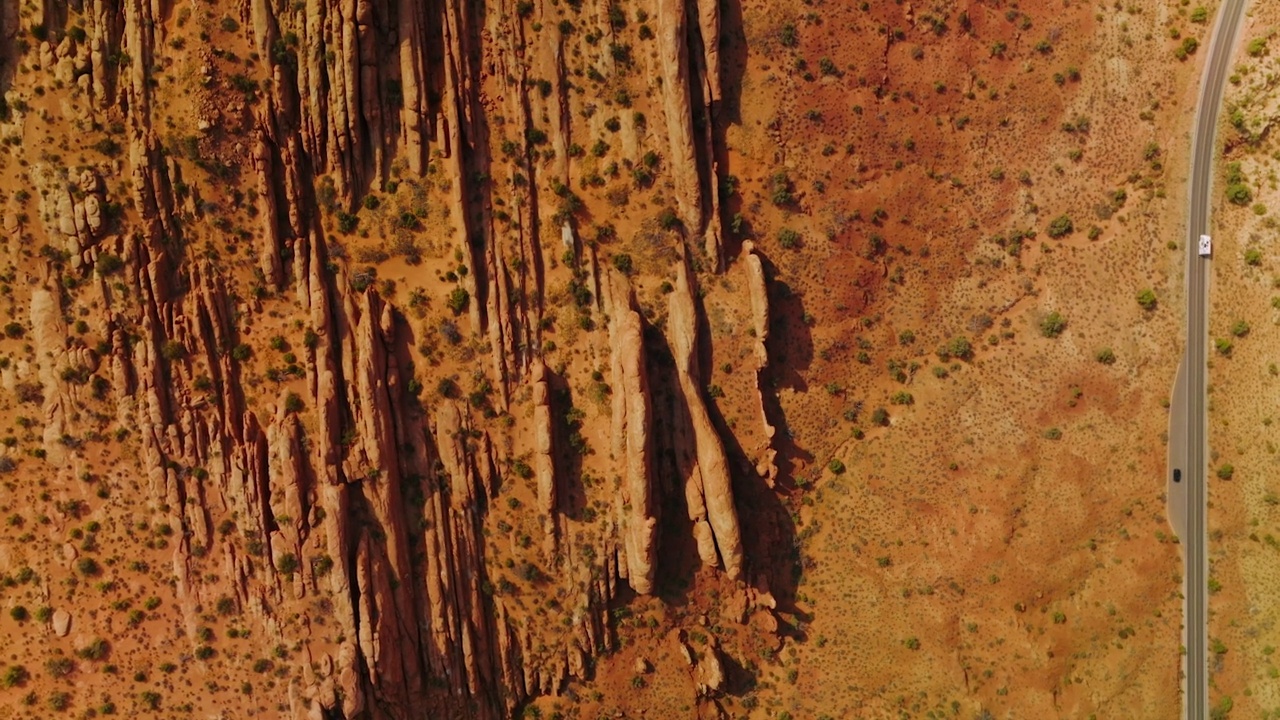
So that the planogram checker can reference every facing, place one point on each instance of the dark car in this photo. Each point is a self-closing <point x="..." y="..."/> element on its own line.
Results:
<point x="1177" y="475"/>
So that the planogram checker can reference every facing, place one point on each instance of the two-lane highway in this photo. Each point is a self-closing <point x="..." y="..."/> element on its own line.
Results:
<point x="1188" y="424"/>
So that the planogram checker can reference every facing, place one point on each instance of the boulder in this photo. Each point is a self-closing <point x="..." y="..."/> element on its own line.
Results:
<point x="61" y="622"/>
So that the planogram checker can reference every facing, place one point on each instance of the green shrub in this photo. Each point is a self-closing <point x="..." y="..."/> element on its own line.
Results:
<point x="59" y="667"/>
<point x="788" y="36"/>
<point x="109" y="264"/>
<point x="458" y="300"/>
<point x="1053" y="325"/>
<point x="788" y="238"/>
<point x="1060" y="226"/>
<point x="347" y="222"/>
<point x="1147" y="299"/>
<point x="97" y="649"/>
<point x="1239" y="194"/>
<point x="1105" y="356"/>
<point x="14" y="675"/>
<point x="836" y="467"/>
<point x="1240" y="328"/>
<point x="287" y="564"/>
<point x="780" y="189"/>
<point x="1226" y="472"/>
<point x="1253" y="257"/>
<point x="59" y="700"/>
<point x="956" y="347"/>
<point x="173" y="350"/>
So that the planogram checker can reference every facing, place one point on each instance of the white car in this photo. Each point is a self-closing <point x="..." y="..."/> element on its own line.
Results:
<point x="1206" y="246"/>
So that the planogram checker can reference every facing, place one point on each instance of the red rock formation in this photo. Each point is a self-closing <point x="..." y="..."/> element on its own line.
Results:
<point x="708" y="487"/>
<point x="636" y="505"/>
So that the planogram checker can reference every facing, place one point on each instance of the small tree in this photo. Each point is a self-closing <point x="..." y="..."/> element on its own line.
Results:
<point x="1105" y="356"/>
<point x="1060" y="227"/>
<point x="780" y="189"/>
<point x="957" y="347"/>
<point x="1225" y="472"/>
<point x="1053" y="325"/>
<point x="1240" y="328"/>
<point x="287" y="564"/>
<point x="457" y="301"/>
<point x="622" y="263"/>
<point x="1147" y="299"/>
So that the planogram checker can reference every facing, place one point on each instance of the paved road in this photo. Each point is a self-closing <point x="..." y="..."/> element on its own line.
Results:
<point x="1188" y="436"/>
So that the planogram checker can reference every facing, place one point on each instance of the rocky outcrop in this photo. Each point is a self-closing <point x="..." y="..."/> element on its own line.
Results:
<point x="673" y="49"/>
<point x="706" y="668"/>
<point x="543" y="453"/>
<point x="61" y="622"/>
<point x="708" y="486"/>
<point x="759" y="293"/>
<point x="766" y="466"/>
<point x="333" y="491"/>
<point x="636" y="505"/>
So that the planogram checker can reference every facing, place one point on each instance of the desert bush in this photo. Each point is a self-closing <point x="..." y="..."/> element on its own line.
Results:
<point x="1105" y="356"/>
<point x="14" y="675"/>
<point x="956" y="347"/>
<point x="458" y="300"/>
<point x="1147" y="299"/>
<point x="787" y="36"/>
<point x="97" y="649"/>
<point x="1060" y="227"/>
<point x="1053" y="325"/>
<point x="287" y="563"/>
<point x="780" y="193"/>
<point x="59" y="667"/>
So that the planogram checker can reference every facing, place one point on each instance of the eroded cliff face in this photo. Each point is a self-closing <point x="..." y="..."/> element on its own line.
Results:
<point x="351" y="339"/>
